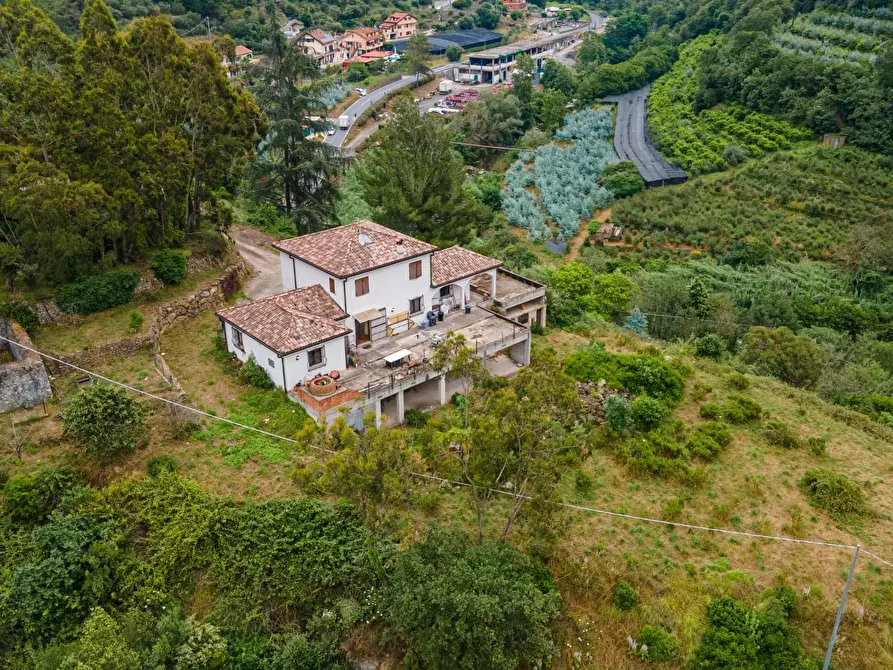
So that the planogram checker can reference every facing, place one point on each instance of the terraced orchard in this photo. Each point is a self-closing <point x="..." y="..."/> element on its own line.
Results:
<point x="836" y="38"/>
<point x="712" y="139"/>
<point x="558" y="184"/>
<point x="813" y="200"/>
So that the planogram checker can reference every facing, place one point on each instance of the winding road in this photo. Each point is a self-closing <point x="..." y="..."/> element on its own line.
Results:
<point x="596" y="21"/>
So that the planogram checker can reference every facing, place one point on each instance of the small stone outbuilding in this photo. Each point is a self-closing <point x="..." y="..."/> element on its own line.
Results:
<point x="23" y="381"/>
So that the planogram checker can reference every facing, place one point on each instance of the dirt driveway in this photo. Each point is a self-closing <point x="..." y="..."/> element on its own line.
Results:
<point x="254" y="247"/>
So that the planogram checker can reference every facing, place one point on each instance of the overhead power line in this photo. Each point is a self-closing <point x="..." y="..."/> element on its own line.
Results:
<point x="582" y="508"/>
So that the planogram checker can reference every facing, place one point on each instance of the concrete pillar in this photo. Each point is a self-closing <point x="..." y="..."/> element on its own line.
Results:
<point x="401" y="406"/>
<point x="442" y="383"/>
<point x="541" y="316"/>
<point x="378" y="413"/>
<point x="520" y="352"/>
<point x="492" y="286"/>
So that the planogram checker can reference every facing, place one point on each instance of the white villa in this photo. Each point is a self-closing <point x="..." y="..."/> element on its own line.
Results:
<point x="362" y="309"/>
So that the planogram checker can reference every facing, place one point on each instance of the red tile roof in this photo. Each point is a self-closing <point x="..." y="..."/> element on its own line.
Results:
<point x="377" y="53"/>
<point x="290" y="321"/>
<point x="320" y="36"/>
<point x="455" y="263"/>
<point x="365" y="32"/>
<point x="243" y="50"/>
<point x="397" y="17"/>
<point x="353" y="249"/>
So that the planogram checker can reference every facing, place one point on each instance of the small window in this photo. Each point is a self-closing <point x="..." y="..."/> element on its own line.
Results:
<point x="415" y="269"/>
<point x="416" y="305"/>
<point x="362" y="286"/>
<point x="271" y="363"/>
<point x="315" y="358"/>
<point x="331" y="285"/>
<point x="523" y="318"/>
<point x="446" y="291"/>
<point x="237" y="339"/>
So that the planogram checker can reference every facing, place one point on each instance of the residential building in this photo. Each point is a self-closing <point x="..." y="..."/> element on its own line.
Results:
<point x="321" y="46"/>
<point x="359" y="41"/>
<point x="513" y="5"/>
<point x="292" y="28"/>
<point x="363" y="308"/>
<point x="399" y="26"/>
<point x="243" y="54"/>
<point x="492" y="66"/>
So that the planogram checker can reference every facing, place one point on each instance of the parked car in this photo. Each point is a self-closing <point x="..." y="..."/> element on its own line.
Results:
<point x="331" y="130"/>
<point x="360" y="91"/>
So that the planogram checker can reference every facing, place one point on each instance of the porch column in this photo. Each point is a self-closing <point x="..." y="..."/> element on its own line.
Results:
<point x="541" y="315"/>
<point x="492" y="286"/>
<point x="401" y="407"/>
<point x="378" y="413"/>
<point x="442" y="383"/>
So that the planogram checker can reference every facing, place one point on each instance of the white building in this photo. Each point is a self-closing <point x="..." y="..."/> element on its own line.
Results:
<point x="362" y="309"/>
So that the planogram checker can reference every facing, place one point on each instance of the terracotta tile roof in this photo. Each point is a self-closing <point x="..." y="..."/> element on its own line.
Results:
<point x="320" y="36"/>
<point x="397" y="17"/>
<point x="243" y="50"/>
<point x="454" y="263"/>
<point x="377" y="53"/>
<point x="365" y="32"/>
<point x="290" y="321"/>
<point x="353" y="249"/>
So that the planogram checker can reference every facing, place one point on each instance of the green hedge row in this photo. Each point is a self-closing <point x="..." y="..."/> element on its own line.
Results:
<point x="98" y="293"/>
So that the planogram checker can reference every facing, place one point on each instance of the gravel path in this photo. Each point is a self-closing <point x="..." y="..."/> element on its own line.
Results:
<point x="254" y="248"/>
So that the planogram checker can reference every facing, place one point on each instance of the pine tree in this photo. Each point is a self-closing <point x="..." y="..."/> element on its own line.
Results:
<point x="636" y="322"/>
<point x="698" y="298"/>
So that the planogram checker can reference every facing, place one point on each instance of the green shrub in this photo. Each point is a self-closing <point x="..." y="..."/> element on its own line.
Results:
<point x="617" y="413"/>
<point x="737" y="410"/>
<point x="710" y="345"/>
<point x="254" y="375"/>
<point x="648" y="412"/>
<point x="104" y="420"/>
<point x="672" y="509"/>
<point x="657" y="644"/>
<point x="416" y="418"/>
<point x="658" y="452"/>
<point x="98" y="292"/>
<point x="818" y="446"/>
<point x="738" y="381"/>
<point x="623" y="179"/>
<point x="135" y="321"/>
<point x="461" y="605"/>
<point x="796" y="360"/>
<point x="20" y="312"/>
<point x="625" y="596"/>
<point x="640" y="375"/>
<point x="582" y="481"/>
<point x="32" y="498"/>
<point x="158" y="465"/>
<point x="842" y="499"/>
<point x="169" y="265"/>
<point x="453" y="52"/>
<point x="780" y="434"/>
<point x="709" y="440"/>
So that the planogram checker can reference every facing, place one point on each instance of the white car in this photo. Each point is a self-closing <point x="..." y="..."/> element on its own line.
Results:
<point x="332" y="130"/>
<point x="360" y="91"/>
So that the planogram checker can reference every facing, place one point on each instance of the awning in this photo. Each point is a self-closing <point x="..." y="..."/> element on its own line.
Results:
<point x="367" y="315"/>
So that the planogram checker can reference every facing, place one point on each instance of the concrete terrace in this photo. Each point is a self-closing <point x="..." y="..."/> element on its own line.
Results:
<point x="483" y="330"/>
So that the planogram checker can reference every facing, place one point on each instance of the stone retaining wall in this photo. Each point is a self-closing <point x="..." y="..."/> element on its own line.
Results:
<point x="24" y="381"/>
<point x="161" y="320"/>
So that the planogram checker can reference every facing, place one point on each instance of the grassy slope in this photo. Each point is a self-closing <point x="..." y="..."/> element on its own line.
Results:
<point x="752" y="487"/>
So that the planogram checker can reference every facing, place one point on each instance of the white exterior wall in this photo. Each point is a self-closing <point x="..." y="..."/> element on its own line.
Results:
<point x="295" y="364"/>
<point x="308" y="275"/>
<point x="391" y="288"/>
<point x="262" y="354"/>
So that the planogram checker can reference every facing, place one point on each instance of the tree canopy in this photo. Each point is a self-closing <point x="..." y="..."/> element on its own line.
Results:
<point x="413" y="179"/>
<point x="110" y="145"/>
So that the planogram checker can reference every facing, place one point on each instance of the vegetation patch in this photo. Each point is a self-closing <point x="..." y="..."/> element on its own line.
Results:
<point x="710" y="139"/>
<point x="830" y="491"/>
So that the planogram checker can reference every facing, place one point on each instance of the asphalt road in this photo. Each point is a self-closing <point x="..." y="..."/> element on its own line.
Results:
<point x="356" y="109"/>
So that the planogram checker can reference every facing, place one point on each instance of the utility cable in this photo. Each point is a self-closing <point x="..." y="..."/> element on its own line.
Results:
<point x="581" y="508"/>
